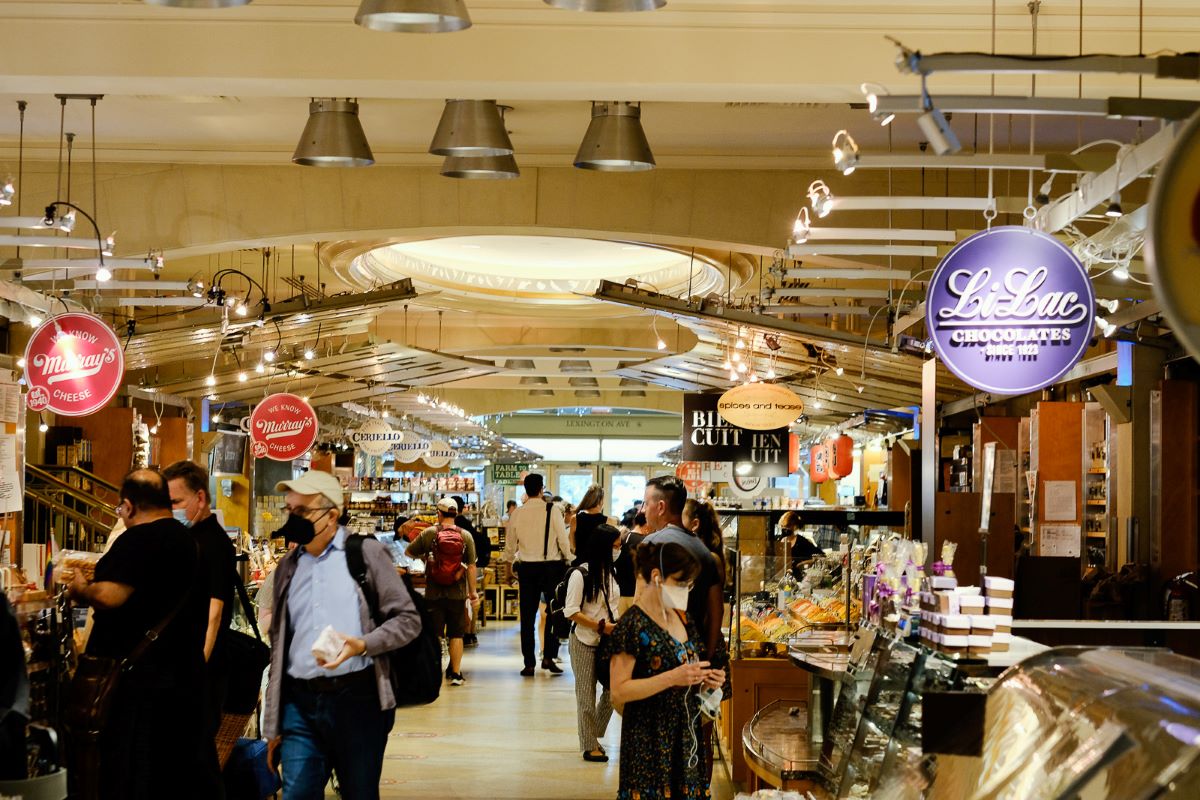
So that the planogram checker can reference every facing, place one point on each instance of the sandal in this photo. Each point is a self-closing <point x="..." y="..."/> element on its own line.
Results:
<point x="596" y="755"/>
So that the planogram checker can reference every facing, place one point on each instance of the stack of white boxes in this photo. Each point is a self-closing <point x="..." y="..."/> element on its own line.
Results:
<point x="998" y="596"/>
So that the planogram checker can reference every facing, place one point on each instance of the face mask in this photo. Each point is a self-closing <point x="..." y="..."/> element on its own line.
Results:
<point x="616" y="554"/>
<point x="674" y="596"/>
<point x="297" y="529"/>
<point x="181" y="515"/>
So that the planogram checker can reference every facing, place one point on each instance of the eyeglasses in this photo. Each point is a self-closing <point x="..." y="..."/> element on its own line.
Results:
<point x="304" y="510"/>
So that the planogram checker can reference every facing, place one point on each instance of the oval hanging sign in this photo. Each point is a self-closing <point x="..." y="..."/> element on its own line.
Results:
<point x="282" y="427"/>
<point x="1173" y="237"/>
<point x="375" y="437"/>
<point x="409" y="448"/>
<point x="760" y="406"/>
<point x="440" y="454"/>
<point x="73" y="365"/>
<point x="1010" y="310"/>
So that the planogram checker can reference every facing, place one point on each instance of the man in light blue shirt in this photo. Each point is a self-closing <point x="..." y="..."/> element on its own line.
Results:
<point x="331" y="713"/>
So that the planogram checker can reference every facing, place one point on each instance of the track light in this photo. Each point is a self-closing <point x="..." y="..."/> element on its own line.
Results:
<point x="742" y="368"/>
<point x="859" y="388"/>
<point x="34" y="320"/>
<point x="660" y="344"/>
<point x="211" y="380"/>
<point x="820" y="198"/>
<point x="260" y="368"/>
<point x="7" y="191"/>
<point x="1114" y="207"/>
<point x="241" y="310"/>
<point x="413" y="16"/>
<point x="817" y="404"/>
<point x="733" y="376"/>
<point x="615" y="141"/>
<point x="195" y="288"/>
<point x="216" y="418"/>
<point x="839" y="371"/>
<point x="938" y="132"/>
<point x="801" y="227"/>
<point x="1043" y="195"/>
<point x="728" y="365"/>
<point x="103" y="275"/>
<point x="243" y="377"/>
<point x="1121" y="271"/>
<point x="21" y="362"/>
<point x="333" y="136"/>
<point x="66" y="223"/>
<point x="472" y="128"/>
<point x="770" y="373"/>
<point x="1108" y="305"/>
<point x="872" y="91"/>
<point x="269" y="356"/>
<point x="309" y="354"/>
<point x="1106" y="327"/>
<point x="110" y="242"/>
<point x="833" y="397"/>
<point x="845" y="152"/>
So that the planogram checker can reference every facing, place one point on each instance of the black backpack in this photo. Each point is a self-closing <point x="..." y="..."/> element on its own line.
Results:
<point x="556" y="621"/>
<point x="416" y="668"/>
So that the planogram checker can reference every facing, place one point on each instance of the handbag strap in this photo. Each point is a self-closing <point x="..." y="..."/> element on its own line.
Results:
<point x="247" y="609"/>
<point x="546" y="540"/>
<point x="152" y="635"/>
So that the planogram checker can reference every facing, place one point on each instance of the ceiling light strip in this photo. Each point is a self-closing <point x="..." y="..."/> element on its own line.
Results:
<point x="882" y="234"/>
<point x="162" y="286"/>
<point x="845" y="274"/>
<point x="68" y="242"/>
<point x="798" y="250"/>
<point x="913" y="203"/>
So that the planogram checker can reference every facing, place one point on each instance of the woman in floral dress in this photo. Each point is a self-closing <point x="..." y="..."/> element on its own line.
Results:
<point x="656" y="675"/>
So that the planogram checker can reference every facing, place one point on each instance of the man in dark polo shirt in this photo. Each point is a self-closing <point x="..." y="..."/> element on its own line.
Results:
<point x="157" y="713"/>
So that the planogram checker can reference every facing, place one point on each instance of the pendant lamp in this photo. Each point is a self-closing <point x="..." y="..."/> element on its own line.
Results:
<point x="471" y="128"/>
<point x="607" y="5"/>
<point x="333" y="136"/>
<point x="496" y="168"/>
<point x="413" y="16"/>
<point x="197" y="3"/>
<point x="615" y="141"/>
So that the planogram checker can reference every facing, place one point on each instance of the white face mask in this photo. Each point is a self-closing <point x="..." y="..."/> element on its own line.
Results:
<point x="674" y="596"/>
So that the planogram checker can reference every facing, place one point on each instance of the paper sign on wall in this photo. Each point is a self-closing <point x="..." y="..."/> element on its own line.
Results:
<point x="1059" y="540"/>
<point x="1060" y="501"/>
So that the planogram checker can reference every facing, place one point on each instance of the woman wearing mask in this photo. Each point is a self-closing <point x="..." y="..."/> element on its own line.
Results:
<point x="592" y="604"/>
<point x="656" y="678"/>
<point x="589" y="517"/>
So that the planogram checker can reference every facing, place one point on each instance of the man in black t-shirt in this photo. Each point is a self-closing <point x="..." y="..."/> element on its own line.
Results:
<point x="157" y="712"/>
<point x="191" y="505"/>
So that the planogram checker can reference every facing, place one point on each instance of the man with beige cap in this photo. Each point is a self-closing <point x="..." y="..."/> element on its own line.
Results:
<point x="330" y="704"/>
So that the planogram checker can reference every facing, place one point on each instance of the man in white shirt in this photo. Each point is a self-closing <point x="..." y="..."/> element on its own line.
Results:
<point x="538" y="544"/>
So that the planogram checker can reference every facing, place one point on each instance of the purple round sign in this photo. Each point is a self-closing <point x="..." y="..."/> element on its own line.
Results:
<point x="1010" y="310"/>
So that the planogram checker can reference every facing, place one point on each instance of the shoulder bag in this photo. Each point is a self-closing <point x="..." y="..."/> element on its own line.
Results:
<point x="247" y="657"/>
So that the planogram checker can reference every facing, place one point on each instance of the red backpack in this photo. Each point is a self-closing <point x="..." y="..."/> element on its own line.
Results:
<point x="446" y="562"/>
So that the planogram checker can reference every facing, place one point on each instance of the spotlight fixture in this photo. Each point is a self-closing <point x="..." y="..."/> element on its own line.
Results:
<point x="770" y="373"/>
<point x="817" y="404"/>
<point x="241" y="310"/>
<point x="1114" y="207"/>
<point x="820" y="198"/>
<point x="21" y="362"/>
<point x="1121" y="271"/>
<point x="211" y="380"/>
<point x="309" y="354"/>
<point x="859" y="388"/>
<point x="66" y="222"/>
<point x="333" y="136"/>
<point x="872" y="91"/>
<point x="833" y="397"/>
<point x="260" y="368"/>
<point x="845" y="152"/>
<point x="103" y="275"/>
<point x="42" y="426"/>
<point x="1043" y="195"/>
<point x="216" y="418"/>
<point x="34" y="320"/>
<point x="839" y="371"/>
<point x="413" y="16"/>
<point x="269" y="356"/>
<point x="728" y="365"/>
<point x="801" y="227"/>
<point x="1108" y="305"/>
<point x="8" y="190"/>
<point x="742" y="368"/>
<point x="1106" y="327"/>
<point x="615" y="141"/>
<point x="495" y="168"/>
<point x="243" y="377"/>
<point x="473" y="128"/>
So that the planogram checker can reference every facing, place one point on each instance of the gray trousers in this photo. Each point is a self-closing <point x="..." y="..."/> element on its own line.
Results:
<point x="592" y="714"/>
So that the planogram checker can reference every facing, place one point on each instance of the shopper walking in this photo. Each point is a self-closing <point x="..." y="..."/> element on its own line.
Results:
<point x="592" y="604"/>
<point x="149" y="576"/>
<point x="190" y="504"/>
<point x="626" y="576"/>
<point x="589" y="517"/>
<point x="331" y="716"/>
<point x="657" y="673"/>
<point x="483" y="557"/>
<point x="449" y="580"/>
<point x="538" y="544"/>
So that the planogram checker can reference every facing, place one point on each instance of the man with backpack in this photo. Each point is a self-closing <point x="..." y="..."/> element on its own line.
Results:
<point x="449" y="580"/>
<point x="330" y="700"/>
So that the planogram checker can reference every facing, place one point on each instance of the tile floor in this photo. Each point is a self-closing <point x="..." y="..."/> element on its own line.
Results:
<point x="502" y="737"/>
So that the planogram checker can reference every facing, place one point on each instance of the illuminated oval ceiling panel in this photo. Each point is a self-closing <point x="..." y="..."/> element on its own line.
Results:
<point x="533" y="271"/>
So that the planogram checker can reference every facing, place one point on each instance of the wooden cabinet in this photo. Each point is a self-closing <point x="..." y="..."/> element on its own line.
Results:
<point x="757" y="682"/>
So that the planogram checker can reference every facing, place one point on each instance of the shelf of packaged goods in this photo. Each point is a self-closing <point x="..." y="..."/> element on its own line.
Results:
<point x="1097" y="502"/>
<point x="1097" y="471"/>
<point x="1097" y="535"/>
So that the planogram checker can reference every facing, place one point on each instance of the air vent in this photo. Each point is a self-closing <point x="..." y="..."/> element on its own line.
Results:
<point x="583" y="382"/>
<point x="574" y="365"/>
<point x="629" y="364"/>
<point x="632" y="393"/>
<point x="518" y="363"/>
<point x="568" y="349"/>
<point x="631" y="382"/>
<point x="586" y="393"/>
<point x="534" y="380"/>
<point x="541" y="393"/>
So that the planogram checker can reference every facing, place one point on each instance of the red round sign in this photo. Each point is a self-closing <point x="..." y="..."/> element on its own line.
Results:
<point x="73" y="365"/>
<point x="282" y="427"/>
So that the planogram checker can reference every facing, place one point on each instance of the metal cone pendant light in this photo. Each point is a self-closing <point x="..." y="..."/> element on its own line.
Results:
<point x="495" y="168"/>
<point x="333" y="136"/>
<point x="615" y="141"/>
<point x="471" y="128"/>
<point x="413" y="16"/>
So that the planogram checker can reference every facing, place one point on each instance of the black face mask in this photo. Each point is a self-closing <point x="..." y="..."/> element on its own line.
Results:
<point x="297" y="529"/>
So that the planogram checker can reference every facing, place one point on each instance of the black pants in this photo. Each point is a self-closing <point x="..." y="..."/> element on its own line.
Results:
<point x="537" y="578"/>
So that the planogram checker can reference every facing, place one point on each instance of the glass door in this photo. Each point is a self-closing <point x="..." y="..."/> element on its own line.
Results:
<point x="624" y="487"/>
<point x="572" y="484"/>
